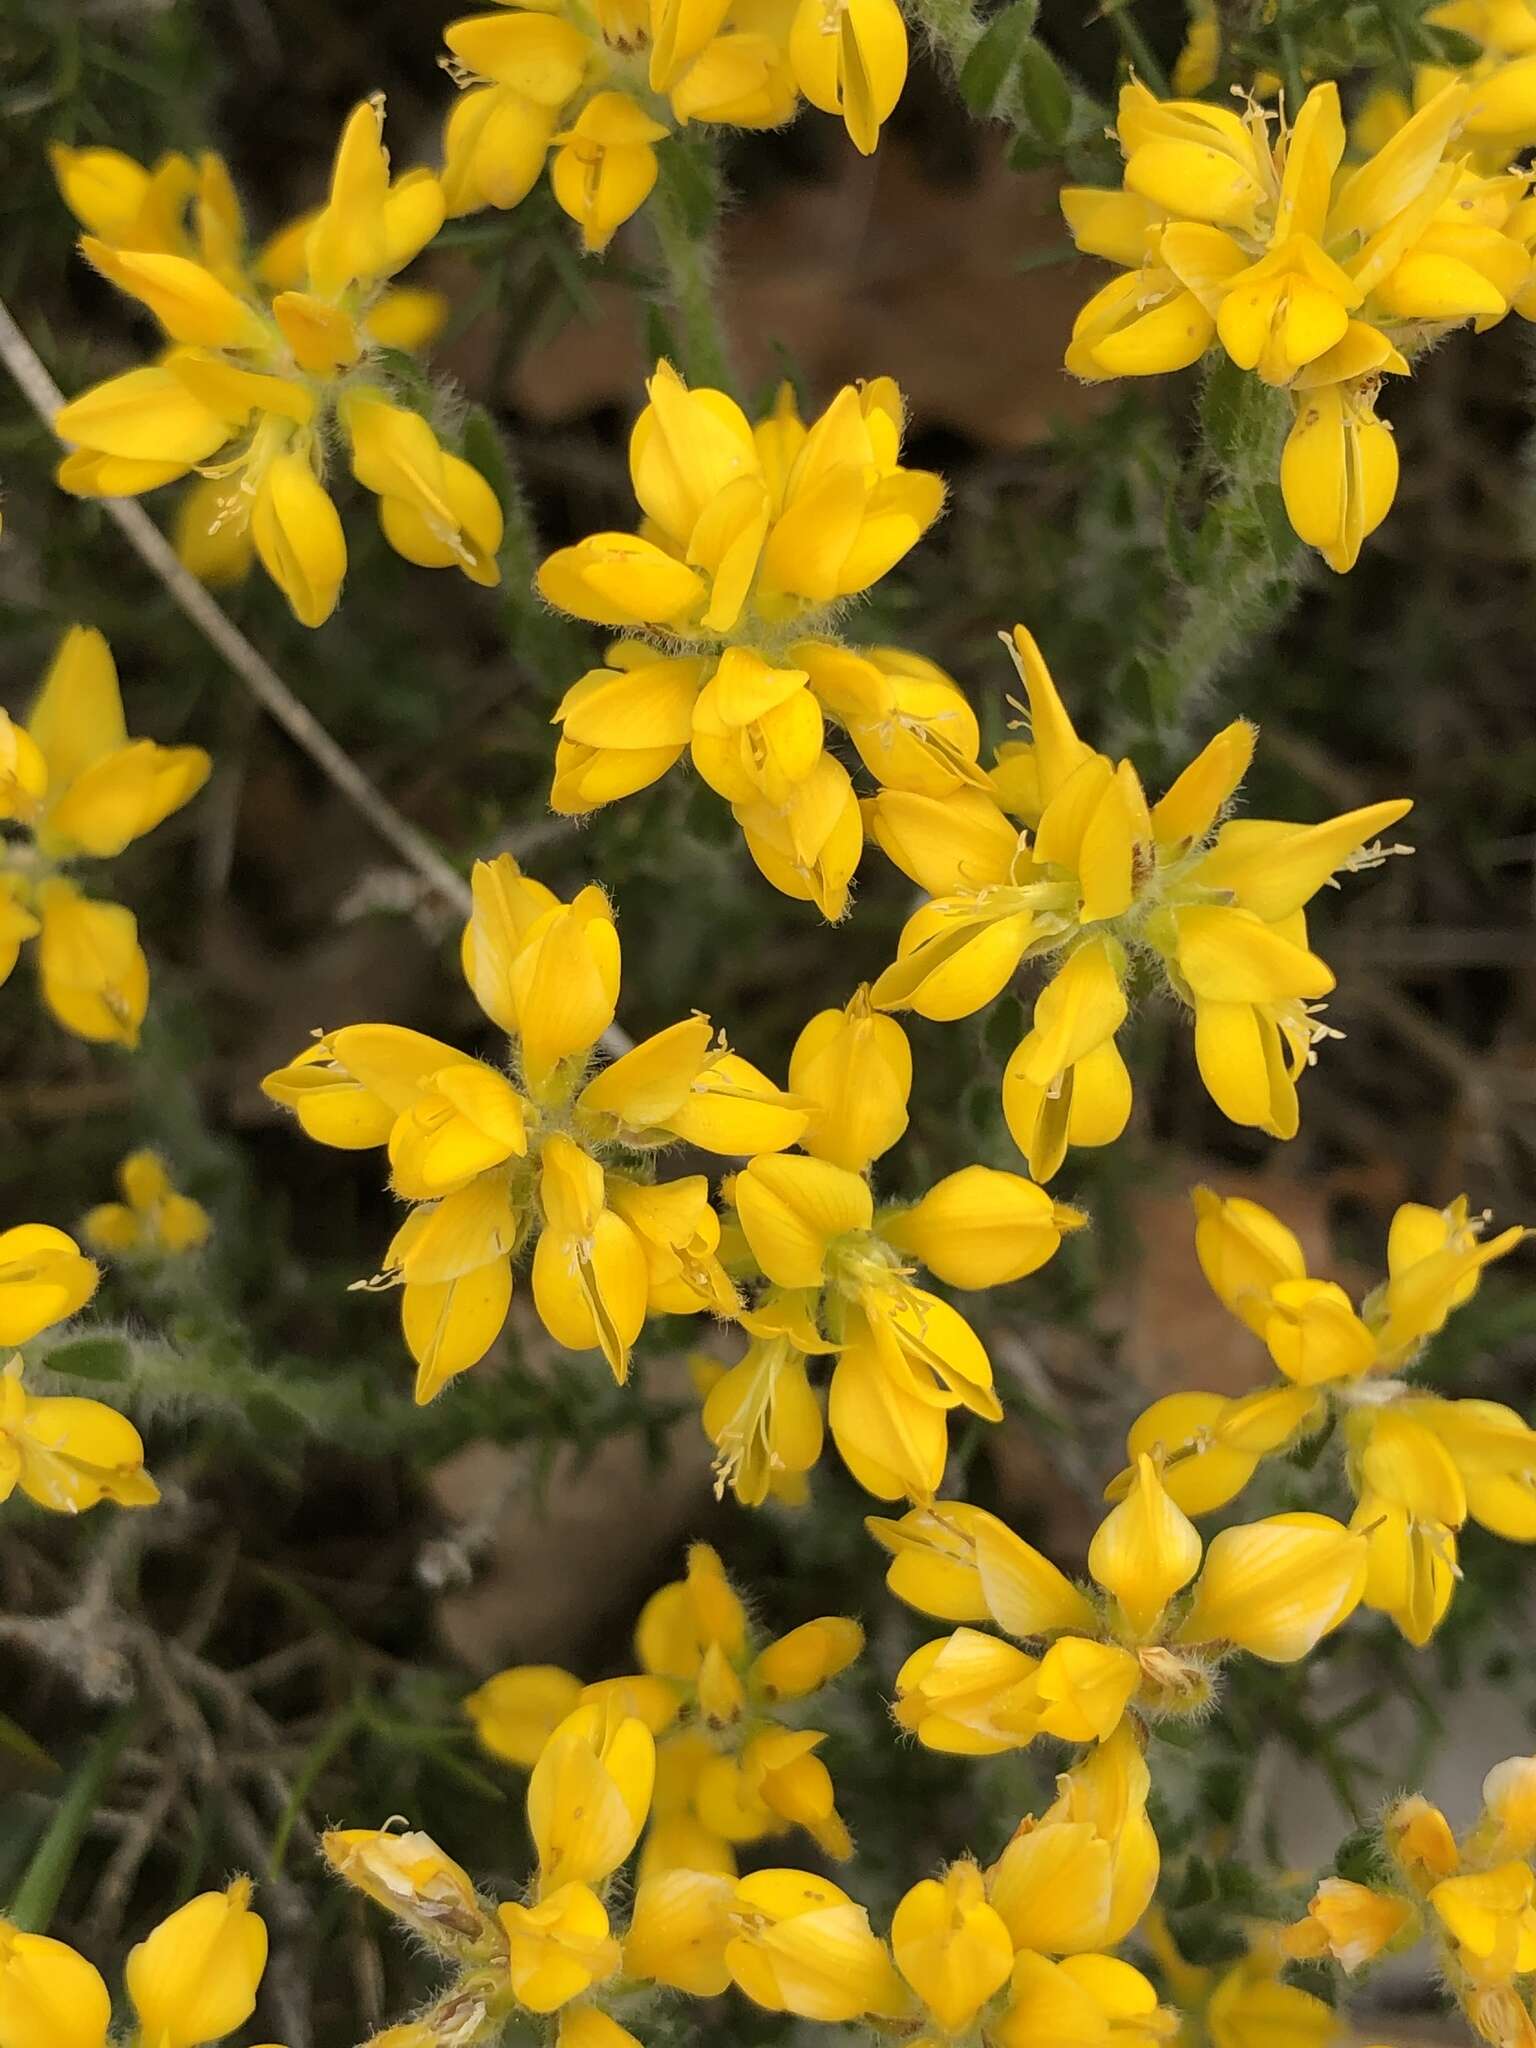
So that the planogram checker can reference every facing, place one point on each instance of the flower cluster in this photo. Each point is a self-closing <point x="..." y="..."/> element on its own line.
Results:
<point x="751" y="541"/>
<point x="1139" y="1647"/>
<point x="63" y="1452"/>
<point x="274" y="357"/>
<point x="1063" y="857"/>
<point x="74" y="786"/>
<point x="1010" y="1955"/>
<point x="1318" y="276"/>
<point x="1473" y="1899"/>
<point x="602" y="84"/>
<point x="152" y="1221"/>
<point x="549" y="1156"/>
<point x="1501" y="114"/>
<point x="731" y="1767"/>
<point x="1418" y="1463"/>
<point x="191" y="1981"/>
<point x="839" y="1280"/>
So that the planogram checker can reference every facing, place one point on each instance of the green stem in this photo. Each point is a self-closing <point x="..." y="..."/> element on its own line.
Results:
<point x="1139" y="53"/>
<point x="1237" y="572"/>
<point x="684" y="213"/>
<point x="41" y="1888"/>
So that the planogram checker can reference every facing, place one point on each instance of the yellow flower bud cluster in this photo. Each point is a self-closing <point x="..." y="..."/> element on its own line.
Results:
<point x="62" y="1451"/>
<point x="272" y="357"/>
<point x="1062" y="857"/>
<point x="1318" y="275"/>
<point x="74" y="786"/>
<point x="753" y="537"/>
<point x="734" y="1763"/>
<point x="152" y="1221"/>
<point x="1419" y="1464"/>
<point x="547" y="1157"/>
<point x="1472" y="1899"/>
<point x="601" y="85"/>
<point x="192" y="1981"/>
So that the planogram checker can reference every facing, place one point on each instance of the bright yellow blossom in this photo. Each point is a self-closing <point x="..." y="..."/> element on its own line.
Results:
<point x="271" y="358"/>
<point x="1418" y="1464"/>
<point x="553" y="1156"/>
<point x="729" y="1770"/>
<point x="904" y="1358"/>
<point x="753" y="538"/>
<point x="1318" y="275"/>
<point x="152" y="1218"/>
<point x="62" y="1451"/>
<point x="1070" y="863"/>
<point x="1272" y="1588"/>
<point x="74" y="786"/>
<point x="604" y="89"/>
<point x="194" y="1979"/>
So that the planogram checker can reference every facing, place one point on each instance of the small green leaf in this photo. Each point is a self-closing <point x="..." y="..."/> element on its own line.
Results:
<point x="986" y="69"/>
<point x="16" y="1742"/>
<point x="1047" y="95"/>
<point x="91" y="1358"/>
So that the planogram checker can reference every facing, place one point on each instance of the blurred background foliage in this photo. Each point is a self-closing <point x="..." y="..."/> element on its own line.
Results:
<point x="287" y="1641"/>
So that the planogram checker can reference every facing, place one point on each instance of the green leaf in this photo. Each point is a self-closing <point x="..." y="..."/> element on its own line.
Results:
<point x="985" y="71"/>
<point x="38" y="1894"/>
<point x="16" y="1742"/>
<point x="91" y="1358"/>
<point x="1047" y="95"/>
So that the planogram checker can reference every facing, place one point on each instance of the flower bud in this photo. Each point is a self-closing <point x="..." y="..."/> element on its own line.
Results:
<point x="951" y="1946"/>
<point x="194" y="1979"/>
<point x="409" y="1876"/>
<point x="49" y="1996"/>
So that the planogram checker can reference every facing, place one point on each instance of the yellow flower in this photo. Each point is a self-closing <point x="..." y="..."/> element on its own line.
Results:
<point x="67" y="1453"/>
<point x="517" y="1711"/>
<point x="589" y="1795"/>
<point x="1419" y="1839"/>
<point x="605" y="165"/>
<point x="678" y="1931"/>
<point x="765" y="1422"/>
<point x="194" y="1979"/>
<point x="491" y="1165"/>
<point x="79" y="788"/>
<point x="1317" y="275"/>
<point x="1250" y="2006"/>
<point x="1349" y="1922"/>
<point x="750" y="536"/>
<point x="44" y="1279"/>
<point x="49" y="1996"/>
<point x="1508" y="1821"/>
<point x="1080" y="2001"/>
<point x="800" y="1945"/>
<point x="1079" y="1878"/>
<point x="1106" y="878"/>
<point x="951" y="1946"/>
<point x="850" y="58"/>
<point x="557" y="1948"/>
<point x="409" y="1876"/>
<point x="152" y="1217"/>
<point x="855" y="1067"/>
<point x="1490" y="1917"/>
<point x="264" y="372"/>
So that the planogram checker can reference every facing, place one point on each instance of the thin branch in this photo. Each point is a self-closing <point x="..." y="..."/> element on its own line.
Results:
<point x="253" y="669"/>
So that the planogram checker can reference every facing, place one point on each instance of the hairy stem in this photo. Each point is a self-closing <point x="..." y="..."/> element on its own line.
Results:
<point x="685" y="214"/>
